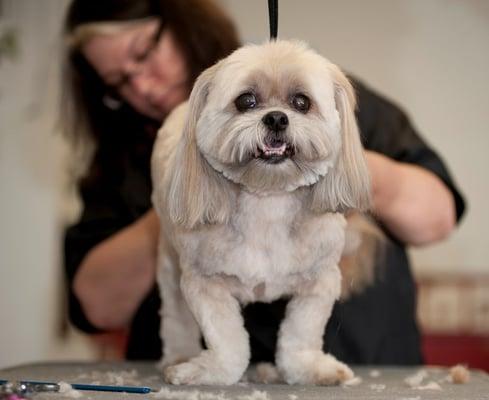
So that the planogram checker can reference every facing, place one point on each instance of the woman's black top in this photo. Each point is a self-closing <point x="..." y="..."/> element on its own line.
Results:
<point x="376" y="327"/>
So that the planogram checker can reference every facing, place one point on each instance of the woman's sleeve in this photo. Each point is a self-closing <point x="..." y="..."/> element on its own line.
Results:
<point x="101" y="218"/>
<point x="386" y="129"/>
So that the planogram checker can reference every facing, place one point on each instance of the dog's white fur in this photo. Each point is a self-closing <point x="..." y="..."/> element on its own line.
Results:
<point x="236" y="229"/>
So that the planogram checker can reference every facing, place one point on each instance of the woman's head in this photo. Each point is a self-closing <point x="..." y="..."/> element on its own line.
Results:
<point x="140" y="62"/>
<point x="145" y="52"/>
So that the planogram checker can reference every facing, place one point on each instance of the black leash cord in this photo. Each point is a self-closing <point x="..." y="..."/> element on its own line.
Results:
<point x="273" y="17"/>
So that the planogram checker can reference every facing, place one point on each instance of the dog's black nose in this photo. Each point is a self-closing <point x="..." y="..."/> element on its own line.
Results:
<point x="276" y="120"/>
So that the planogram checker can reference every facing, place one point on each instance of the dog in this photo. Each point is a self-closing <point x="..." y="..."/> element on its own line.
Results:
<point x="251" y="180"/>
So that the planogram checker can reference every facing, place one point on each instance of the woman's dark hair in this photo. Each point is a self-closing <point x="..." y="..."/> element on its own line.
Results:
<point x="203" y="32"/>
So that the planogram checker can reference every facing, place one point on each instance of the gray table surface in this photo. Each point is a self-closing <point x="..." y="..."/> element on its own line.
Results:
<point x="386" y="383"/>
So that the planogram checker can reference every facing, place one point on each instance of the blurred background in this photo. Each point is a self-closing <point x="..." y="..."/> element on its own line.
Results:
<point x="431" y="57"/>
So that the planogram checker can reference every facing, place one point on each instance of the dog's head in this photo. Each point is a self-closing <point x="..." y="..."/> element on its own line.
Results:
<point x="269" y="118"/>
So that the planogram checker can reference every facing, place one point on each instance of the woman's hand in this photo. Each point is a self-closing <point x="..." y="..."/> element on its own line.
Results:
<point x="117" y="274"/>
<point x="413" y="203"/>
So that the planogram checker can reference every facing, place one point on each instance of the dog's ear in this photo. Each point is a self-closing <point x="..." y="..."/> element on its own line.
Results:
<point x="197" y="193"/>
<point x="347" y="184"/>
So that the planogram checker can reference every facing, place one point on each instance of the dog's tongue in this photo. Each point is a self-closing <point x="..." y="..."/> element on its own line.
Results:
<point x="273" y="143"/>
<point x="274" y="148"/>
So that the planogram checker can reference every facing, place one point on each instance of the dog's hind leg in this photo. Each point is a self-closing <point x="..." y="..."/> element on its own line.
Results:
<point x="262" y="372"/>
<point x="219" y="316"/>
<point x="179" y="331"/>
<point x="300" y="358"/>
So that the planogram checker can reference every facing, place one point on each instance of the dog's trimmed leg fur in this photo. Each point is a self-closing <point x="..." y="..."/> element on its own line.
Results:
<point x="300" y="358"/>
<point x="178" y="328"/>
<point x="219" y="316"/>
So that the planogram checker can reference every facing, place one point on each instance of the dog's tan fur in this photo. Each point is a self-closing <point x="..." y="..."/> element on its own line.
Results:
<point x="236" y="229"/>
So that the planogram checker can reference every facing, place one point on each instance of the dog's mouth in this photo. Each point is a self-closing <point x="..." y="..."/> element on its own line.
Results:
<point x="274" y="151"/>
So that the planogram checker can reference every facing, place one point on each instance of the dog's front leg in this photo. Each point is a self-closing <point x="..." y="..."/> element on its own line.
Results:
<point x="300" y="358"/>
<point x="179" y="332"/>
<point x="218" y="314"/>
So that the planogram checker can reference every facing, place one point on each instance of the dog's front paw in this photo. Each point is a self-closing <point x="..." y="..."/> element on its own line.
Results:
<point x="171" y="360"/>
<point x="314" y="367"/>
<point x="206" y="369"/>
<point x="186" y="373"/>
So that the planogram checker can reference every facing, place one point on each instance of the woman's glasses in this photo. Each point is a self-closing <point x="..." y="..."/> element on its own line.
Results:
<point x="112" y="98"/>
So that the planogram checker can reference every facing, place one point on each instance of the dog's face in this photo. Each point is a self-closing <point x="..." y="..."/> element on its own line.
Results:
<point x="269" y="118"/>
<point x="270" y="121"/>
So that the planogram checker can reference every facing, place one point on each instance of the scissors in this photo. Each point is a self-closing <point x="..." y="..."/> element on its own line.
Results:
<point x="23" y="390"/>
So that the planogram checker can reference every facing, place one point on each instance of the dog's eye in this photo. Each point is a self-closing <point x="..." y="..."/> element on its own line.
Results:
<point x="245" y="102"/>
<point x="301" y="103"/>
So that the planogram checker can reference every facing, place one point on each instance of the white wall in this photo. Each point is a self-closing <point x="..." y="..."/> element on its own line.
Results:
<point x="431" y="57"/>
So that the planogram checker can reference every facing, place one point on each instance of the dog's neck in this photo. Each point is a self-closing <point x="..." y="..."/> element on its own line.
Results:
<point x="281" y="208"/>
<point x="262" y="193"/>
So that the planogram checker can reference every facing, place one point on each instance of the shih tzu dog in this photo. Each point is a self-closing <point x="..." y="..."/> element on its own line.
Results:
<point x="251" y="181"/>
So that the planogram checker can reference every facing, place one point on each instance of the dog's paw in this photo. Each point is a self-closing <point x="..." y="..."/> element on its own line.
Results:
<point x="315" y="368"/>
<point x="202" y="370"/>
<point x="186" y="373"/>
<point x="330" y="371"/>
<point x="171" y="360"/>
<point x="263" y="373"/>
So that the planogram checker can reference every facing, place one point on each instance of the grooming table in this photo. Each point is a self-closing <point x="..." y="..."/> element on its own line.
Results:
<point x="376" y="383"/>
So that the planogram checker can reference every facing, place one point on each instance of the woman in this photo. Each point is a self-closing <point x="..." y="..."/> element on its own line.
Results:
<point x="129" y="64"/>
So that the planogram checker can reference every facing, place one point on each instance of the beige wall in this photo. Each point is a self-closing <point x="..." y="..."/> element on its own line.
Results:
<point x="32" y="194"/>
<point x="431" y="57"/>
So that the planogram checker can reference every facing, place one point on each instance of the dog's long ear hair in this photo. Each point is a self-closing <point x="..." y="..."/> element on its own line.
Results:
<point x="347" y="184"/>
<point x="197" y="193"/>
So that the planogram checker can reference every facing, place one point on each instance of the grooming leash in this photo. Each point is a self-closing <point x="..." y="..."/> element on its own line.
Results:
<point x="273" y="18"/>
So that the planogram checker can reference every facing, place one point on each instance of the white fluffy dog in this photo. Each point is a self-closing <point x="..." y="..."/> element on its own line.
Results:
<point x="250" y="181"/>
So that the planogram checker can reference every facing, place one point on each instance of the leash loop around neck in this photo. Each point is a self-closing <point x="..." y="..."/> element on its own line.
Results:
<point x="273" y="18"/>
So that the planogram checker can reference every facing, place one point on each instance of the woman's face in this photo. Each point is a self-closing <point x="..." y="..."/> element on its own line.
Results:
<point x="151" y="76"/>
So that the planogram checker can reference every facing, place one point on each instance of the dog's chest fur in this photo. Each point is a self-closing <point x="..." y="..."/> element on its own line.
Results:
<point x="271" y="246"/>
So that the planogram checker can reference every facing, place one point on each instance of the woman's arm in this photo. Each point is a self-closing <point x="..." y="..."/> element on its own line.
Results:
<point x="118" y="273"/>
<point x="412" y="202"/>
